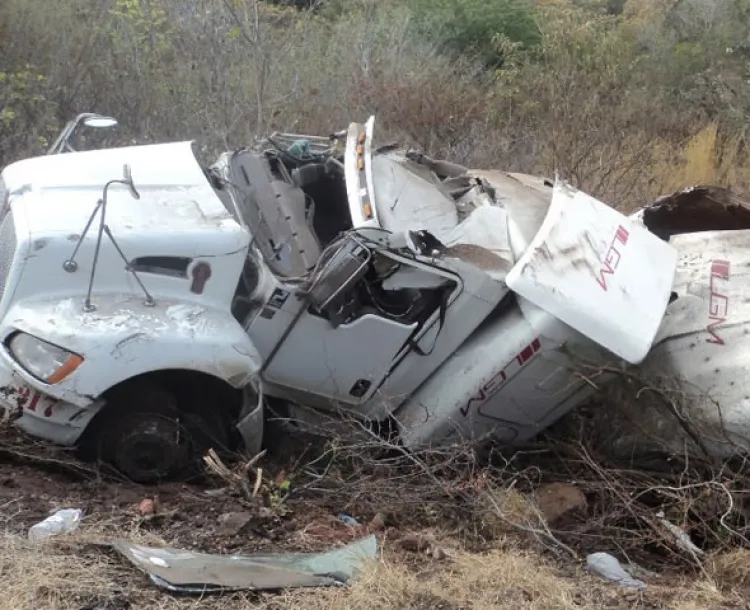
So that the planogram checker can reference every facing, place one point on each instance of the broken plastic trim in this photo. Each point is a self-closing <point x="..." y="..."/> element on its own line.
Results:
<point x="199" y="573"/>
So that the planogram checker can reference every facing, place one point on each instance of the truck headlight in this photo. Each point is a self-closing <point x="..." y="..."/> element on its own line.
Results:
<point x="43" y="360"/>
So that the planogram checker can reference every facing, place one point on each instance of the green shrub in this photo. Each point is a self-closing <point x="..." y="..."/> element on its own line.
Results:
<point x="474" y="27"/>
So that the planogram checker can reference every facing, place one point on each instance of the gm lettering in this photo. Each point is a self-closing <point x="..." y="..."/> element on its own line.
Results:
<point x="718" y="300"/>
<point x="497" y="381"/>
<point x="612" y="257"/>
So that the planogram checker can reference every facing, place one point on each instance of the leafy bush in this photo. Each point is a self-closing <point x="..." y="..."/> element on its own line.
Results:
<point x="474" y="27"/>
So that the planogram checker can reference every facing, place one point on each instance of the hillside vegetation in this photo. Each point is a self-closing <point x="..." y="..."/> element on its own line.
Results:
<point x="626" y="98"/>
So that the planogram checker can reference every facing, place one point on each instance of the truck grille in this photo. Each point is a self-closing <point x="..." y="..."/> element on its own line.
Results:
<point x="7" y="249"/>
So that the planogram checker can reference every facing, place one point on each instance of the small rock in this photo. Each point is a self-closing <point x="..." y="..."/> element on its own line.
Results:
<point x="231" y="524"/>
<point x="216" y="492"/>
<point x="147" y="507"/>
<point x="437" y="553"/>
<point x="377" y="524"/>
<point x="414" y="544"/>
<point x="556" y="499"/>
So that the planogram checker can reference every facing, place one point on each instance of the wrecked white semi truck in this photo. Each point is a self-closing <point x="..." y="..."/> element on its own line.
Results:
<point x="151" y="305"/>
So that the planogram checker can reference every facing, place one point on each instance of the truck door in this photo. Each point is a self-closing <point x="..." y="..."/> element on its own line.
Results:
<point x="340" y="343"/>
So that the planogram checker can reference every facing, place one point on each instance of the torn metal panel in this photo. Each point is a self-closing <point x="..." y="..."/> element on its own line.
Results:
<point x="191" y="572"/>
<point x="599" y="272"/>
<point x="251" y="422"/>
<point x="696" y="209"/>
<point x="408" y="196"/>
<point x="525" y="198"/>
<point x="482" y="239"/>
<point x="701" y="346"/>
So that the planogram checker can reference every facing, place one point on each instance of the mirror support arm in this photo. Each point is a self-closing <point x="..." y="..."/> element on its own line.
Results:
<point x="62" y="143"/>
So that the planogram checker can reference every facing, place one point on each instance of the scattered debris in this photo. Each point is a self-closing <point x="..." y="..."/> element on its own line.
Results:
<point x="609" y="568"/>
<point x="349" y="520"/>
<point x="63" y="521"/>
<point x="231" y="524"/>
<point x="199" y="573"/>
<point x="681" y="536"/>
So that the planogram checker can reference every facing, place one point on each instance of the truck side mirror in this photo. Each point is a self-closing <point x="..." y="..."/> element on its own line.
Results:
<point x="89" y="119"/>
<point x="99" y="122"/>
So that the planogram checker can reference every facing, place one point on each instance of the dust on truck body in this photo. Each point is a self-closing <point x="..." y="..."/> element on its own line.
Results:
<point x="318" y="275"/>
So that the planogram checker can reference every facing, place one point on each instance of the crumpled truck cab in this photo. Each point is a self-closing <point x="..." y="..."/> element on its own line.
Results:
<point x="448" y="301"/>
<point x="153" y="307"/>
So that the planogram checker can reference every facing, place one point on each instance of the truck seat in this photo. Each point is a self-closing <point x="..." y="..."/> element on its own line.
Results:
<point x="275" y="212"/>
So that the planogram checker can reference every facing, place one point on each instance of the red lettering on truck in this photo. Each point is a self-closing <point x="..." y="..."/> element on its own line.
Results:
<point x="612" y="256"/>
<point x="718" y="302"/>
<point x="29" y="399"/>
<point x="497" y="381"/>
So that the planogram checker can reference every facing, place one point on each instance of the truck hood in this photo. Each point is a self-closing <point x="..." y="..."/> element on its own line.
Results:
<point x="173" y="163"/>
<point x="59" y="192"/>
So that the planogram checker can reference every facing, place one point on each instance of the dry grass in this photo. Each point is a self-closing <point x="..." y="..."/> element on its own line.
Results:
<point x="476" y="539"/>
<point x="75" y="573"/>
<point x="732" y="570"/>
<point x="704" y="158"/>
<point x="497" y="579"/>
<point x="65" y="576"/>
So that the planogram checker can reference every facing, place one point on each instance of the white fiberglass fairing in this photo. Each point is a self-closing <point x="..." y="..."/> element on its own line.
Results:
<point x="598" y="271"/>
<point x="392" y="191"/>
<point x="699" y="361"/>
<point x="588" y="270"/>
<point x="700" y="357"/>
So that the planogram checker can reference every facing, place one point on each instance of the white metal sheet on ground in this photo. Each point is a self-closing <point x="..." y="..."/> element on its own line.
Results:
<point x="598" y="271"/>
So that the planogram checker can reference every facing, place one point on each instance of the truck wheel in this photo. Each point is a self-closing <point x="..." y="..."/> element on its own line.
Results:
<point x="145" y="437"/>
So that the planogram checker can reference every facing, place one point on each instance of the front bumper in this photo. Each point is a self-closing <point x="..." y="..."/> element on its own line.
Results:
<point x="39" y="414"/>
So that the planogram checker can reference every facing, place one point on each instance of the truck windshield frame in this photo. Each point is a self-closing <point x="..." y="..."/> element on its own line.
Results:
<point x="4" y="198"/>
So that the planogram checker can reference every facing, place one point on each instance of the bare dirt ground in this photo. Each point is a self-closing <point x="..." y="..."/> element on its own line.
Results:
<point x="437" y="550"/>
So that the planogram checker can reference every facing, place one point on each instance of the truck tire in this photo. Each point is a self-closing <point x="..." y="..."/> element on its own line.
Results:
<point x="145" y="436"/>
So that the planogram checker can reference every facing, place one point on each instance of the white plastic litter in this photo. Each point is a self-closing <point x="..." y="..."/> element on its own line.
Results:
<point x="608" y="567"/>
<point x="63" y="521"/>
<point x="682" y="538"/>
